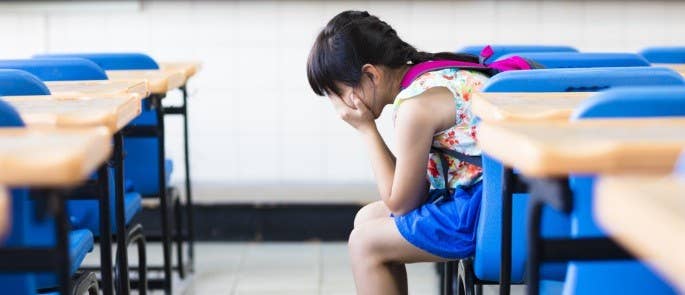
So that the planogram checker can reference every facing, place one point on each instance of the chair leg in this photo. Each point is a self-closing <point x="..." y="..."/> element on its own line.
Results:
<point x="86" y="282"/>
<point x="178" y="220"/>
<point x="467" y="279"/>
<point x="448" y="278"/>
<point x="135" y="235"/>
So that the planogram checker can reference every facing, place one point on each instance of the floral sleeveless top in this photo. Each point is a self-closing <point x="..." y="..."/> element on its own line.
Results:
<point x="462" y="136"/>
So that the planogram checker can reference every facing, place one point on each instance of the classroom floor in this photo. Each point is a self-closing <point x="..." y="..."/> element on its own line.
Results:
<point x="281" y="268"/>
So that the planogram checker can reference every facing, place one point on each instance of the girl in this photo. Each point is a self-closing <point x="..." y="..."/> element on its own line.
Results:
<point x="359" y="62"/>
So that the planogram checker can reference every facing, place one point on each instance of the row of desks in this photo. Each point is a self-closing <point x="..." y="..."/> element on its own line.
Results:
<point x="48" y="155"/>
<point x="636" y="202"/>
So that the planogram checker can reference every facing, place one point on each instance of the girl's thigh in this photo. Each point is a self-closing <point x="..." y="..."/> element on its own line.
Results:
<point x="379" y="239"/>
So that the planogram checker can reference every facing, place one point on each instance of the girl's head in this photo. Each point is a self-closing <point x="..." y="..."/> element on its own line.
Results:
<point x="358" y="54"/>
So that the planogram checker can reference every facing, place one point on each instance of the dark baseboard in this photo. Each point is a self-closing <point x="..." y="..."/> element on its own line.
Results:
<point x="278" y="222"/>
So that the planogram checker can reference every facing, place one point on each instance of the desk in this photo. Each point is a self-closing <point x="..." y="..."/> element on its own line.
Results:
<point x="520" y="106"/>
<point x="558" y="148"/>
<point x="71" y="89"/>
<point x="50" y="156"/>
<point x="646" y="214"/>
<point x="159" y="81"/>
<point x="113" y="112"/>
<point x="188" y="69"/>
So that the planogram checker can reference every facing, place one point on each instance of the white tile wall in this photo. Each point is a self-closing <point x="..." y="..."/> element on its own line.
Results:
<point x="254" y="118"/>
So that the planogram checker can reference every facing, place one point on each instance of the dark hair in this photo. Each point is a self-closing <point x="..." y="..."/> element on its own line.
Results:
<point x="355" y="38"/>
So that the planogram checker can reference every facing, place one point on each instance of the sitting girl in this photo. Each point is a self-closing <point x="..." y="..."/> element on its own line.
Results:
<point x="360" y="63"/>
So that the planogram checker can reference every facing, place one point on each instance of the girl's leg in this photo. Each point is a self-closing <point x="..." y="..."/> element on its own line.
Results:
<point x="371" y="211"/>
<point x="378" y="253"/>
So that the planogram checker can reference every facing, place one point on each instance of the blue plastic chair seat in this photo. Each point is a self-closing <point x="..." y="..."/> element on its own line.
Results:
<point x="85" y="214"/>
<point x="80" y="243"/>
<point x="617" y="277"/>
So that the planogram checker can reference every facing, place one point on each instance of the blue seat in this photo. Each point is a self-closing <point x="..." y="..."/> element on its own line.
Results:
<point x="583" y="277"/>
<point x="487" y="258"/>
<point x="556" y="60"/>
<point x="111" y="61"/>
<point x="27" y="230"/>
<point x="85" y="214"/>
<point x="504" y="49"/>
<point x="16" y="82"/>
<point x="665" y="54"/>
<point x="57" y="69"/>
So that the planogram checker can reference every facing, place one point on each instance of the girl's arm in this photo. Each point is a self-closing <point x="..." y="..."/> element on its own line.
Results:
<point x="401" y="182"/>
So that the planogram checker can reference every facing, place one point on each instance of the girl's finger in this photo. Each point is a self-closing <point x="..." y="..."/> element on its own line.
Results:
<point x="359" y="104"/>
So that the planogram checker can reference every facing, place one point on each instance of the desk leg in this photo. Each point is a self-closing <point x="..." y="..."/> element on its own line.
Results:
<point x="505" y="264"/>
<point x="105" y="232"/>
<point x="122" y="253"/>
<point x="164" y="202"/>
<point x="63" y="263"/>
<point x="189" y="195"/>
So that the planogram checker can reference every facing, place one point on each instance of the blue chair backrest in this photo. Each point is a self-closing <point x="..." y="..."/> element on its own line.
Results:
<point x="638" y="102"/>
<point x="635" y="102"/>
<point x="557" y="60"/>
<point x="665" y="54"/>
<point x="57" y="69"/>
<point x="112" y="61"/>
<point x="581" y="79"/>
<point x="27" y="229"/>
<point x="16" y="82"/>
<point x="503" y="49"/>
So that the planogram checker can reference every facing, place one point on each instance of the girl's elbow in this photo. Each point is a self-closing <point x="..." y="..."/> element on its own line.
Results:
<point x="398" y="209"/>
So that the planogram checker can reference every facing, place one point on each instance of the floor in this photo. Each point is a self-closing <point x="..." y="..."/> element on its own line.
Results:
<point x="281" y="268"/>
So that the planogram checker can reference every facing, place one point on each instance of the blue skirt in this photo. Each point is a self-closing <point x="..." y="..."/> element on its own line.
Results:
<point x="446" y="227"/>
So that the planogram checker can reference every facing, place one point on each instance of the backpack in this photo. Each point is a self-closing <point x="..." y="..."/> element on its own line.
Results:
<point x="509" y="64"/>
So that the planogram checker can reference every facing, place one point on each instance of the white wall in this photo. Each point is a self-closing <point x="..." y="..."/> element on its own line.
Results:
<point x="254" y="119"/>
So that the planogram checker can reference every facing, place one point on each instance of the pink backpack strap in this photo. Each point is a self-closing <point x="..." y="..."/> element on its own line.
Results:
<point x="434" y="65"/>
<point x="507" y="64"/>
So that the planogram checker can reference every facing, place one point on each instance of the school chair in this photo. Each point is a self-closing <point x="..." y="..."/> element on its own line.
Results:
<point x="84" y="213"/>
<point x="144" y="145"/>
<point x="665" y="54"/>
<point x="504" y="49"/>
<point x="32" y="229"/>
<point x="492" y="262"/>
<point x="557" y="60"/>
<point x="59" y="69"/>
<point x="619" y="274"/>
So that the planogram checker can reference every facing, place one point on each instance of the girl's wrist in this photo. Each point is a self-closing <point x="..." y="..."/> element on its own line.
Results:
<point x="368" y="129"/>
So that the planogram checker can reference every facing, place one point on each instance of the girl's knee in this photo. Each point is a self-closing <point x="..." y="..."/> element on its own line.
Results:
<point x="371" y="211"/>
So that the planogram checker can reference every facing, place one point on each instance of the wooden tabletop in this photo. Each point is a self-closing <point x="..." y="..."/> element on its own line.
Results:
<point x="51" y="156"/>
<point x="680" y="68"/>
<point x="70" y="89"/>
<point x="5" y="213"/>
<point x="524" y="106"/>
<point x="159" y="81"/>
<point x="646" y="214"/>
<point x="556" y="148"/>
<point x="188" y="68"/>
<point x="113" y="112"/>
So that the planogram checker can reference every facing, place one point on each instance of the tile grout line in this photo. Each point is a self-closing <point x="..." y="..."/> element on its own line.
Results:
<point x="243" y="256"/>
<point x="321" y="268"/>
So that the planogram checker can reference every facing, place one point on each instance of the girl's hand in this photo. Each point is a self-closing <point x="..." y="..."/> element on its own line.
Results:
<point x="359" y="116"/>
